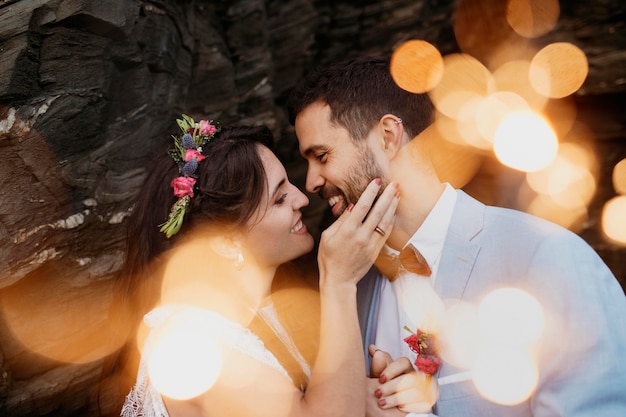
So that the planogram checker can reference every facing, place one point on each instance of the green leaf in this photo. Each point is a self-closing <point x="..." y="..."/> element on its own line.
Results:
<point x="189" y="120"/>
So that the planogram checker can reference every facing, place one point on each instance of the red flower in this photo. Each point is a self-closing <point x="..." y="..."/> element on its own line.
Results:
<point x="413" y="342"/>
<point x="429" y="364"/>
<point x="423" y="344"/>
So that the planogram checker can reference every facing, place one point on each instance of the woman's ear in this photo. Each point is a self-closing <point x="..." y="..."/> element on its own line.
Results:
<point x="393" y="133"/>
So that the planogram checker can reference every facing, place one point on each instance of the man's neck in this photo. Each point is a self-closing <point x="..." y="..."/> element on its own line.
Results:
<point x="415" y="205"/>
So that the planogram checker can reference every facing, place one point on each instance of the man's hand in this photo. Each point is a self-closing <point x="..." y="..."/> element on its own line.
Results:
<point x="397" y="386"/>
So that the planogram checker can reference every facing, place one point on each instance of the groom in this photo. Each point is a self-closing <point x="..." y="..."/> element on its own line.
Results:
<point x="353" y="124"/>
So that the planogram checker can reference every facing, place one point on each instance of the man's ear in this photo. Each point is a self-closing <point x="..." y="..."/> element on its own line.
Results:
<point x="393" y="133"/>
<point x="227" y="246"/>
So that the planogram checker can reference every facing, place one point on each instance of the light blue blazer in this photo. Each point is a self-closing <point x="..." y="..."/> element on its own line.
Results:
<point x="582" y="353"/>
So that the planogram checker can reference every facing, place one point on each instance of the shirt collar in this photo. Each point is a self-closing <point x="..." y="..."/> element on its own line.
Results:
<point x="430" y="236"/>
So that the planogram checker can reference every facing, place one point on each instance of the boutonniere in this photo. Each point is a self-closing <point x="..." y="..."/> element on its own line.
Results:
<point x="424" y="345"/>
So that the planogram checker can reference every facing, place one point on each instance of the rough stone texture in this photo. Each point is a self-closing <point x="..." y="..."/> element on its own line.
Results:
<point x="88" y="87"/>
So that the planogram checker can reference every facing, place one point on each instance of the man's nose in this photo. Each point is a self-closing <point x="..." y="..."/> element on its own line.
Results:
<point x="314" y="181"/>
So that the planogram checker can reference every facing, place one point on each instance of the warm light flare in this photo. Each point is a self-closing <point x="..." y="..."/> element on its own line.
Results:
<point x="565" y="187"/>
<point x="568" y="174"/>
<point x="505" y="376"/>
<point x="512" y="76"/>
<point x="532" y="18"/>
<point x="525" y="141"/>
<point x="614" y="219"/>
<point x="569" y="214"/>
<point x="619" y="177"/>
<point x="510" y="322"/>
<point x="459" y="344"/>
<point x="510" y="316"/>
<point x="184" y="359"/>
<point x="61" y="318"/>
<point x="422" y="305"/>
<point x="464" y="80"/>
<point x="454" y="161"/>
<point x="416" y="66"/>
<point x="556" y="177"/>
<point x="461" y="133"/>
<point x="558" y="70"/>
<point x="494" y="109"/>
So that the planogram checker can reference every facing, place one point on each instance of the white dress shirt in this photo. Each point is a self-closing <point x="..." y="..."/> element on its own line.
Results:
<point x="397" y="298"/>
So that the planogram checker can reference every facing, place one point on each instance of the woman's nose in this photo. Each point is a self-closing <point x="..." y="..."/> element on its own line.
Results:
<point x="300" y="200"/>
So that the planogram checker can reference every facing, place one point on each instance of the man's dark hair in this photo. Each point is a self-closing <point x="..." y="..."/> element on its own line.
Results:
<point x="359" y="92"/>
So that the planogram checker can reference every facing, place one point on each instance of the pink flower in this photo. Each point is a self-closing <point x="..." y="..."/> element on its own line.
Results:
<point x="206" y="128"/>
<point x="193" y="154"/>
<point x="183" y="186"/>
<point x="428" y="364"/>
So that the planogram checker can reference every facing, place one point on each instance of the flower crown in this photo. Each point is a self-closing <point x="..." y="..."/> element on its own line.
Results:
<point x="187" y="153"/>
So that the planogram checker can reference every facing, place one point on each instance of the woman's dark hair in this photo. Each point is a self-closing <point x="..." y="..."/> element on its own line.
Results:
<point x="230" y="183"/>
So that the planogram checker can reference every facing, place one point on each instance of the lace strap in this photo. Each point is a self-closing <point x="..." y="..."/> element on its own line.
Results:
<point x="145" y="401"/>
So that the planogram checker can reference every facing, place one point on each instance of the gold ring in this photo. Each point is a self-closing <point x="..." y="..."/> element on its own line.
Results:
<point x="379" y="231"/>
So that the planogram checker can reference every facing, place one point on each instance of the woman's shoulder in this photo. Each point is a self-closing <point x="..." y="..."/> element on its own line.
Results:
<point x="192" y="329"/>
<point x="205" y="326"/>
<point x="164" y="314"/>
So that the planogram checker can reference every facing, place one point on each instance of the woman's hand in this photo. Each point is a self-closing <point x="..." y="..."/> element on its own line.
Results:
<point x="401" y="386"/>
<point x="350" y="245"/>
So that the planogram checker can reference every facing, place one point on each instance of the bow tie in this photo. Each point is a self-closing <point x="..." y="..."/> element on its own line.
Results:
<point x="409" y="259"/>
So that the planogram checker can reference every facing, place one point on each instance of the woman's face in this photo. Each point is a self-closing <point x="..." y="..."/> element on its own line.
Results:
<point x="277" y="234"/>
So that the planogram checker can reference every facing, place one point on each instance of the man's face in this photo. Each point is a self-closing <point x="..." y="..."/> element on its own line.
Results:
<point x="338" y="169"/>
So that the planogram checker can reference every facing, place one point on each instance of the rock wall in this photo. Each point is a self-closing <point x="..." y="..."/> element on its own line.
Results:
<point x="86" y="87"/>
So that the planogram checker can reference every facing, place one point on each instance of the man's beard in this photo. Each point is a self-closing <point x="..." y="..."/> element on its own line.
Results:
<point x="358" y="177"/>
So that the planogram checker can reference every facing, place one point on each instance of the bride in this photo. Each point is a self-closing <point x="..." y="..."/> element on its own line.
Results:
<point x="214" y="220"/>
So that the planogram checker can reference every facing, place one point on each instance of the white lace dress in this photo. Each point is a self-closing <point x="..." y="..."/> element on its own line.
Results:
<point x="145" y="401"/>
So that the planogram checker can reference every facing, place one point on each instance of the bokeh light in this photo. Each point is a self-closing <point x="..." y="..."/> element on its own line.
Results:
<point x="61" y="319"/>
<point x="465" y="81"/>
<point x="570" y="215"/>
<point x="510" y="321"/>
<point x="510" y="316"/>
<point x="562" y="115"/>
<point x="458" y="342"/>
<point x="505" y="375"/>
<point x="525" y="141"/>
<point x="619" y="177"/>
<point x="569" y="173"/>
<point x="614" y="219"/>
<point x="416" y="66"/>
<point x="423" y="307"/>
<point x="481" y="29"/>
<point x="460" y="132"/>
<point x="558" y="70"/>
<point x="184" y="359"/>
<point x="454" y="161"/>
<point x="512" y="76"/>
<point x="532" y="18"/>
<point x="494" y="109"/>
<point x="564" y="188"/>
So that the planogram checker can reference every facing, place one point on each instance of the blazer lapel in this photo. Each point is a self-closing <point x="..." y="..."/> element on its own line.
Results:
<point x="367" y="292"/>
<point x="460" y="252"/>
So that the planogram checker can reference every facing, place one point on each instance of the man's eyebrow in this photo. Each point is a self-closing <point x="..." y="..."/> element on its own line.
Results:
<point x="312" y="149"/>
